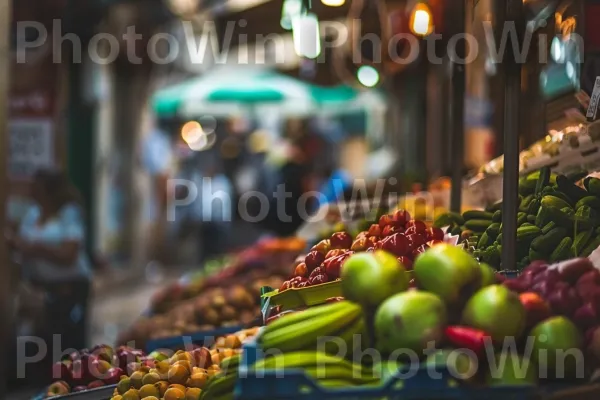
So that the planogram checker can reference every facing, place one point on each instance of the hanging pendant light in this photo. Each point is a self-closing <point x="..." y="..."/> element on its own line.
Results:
<point x="307" y="36"/>
<point x="333" y="3"/>
<point x="291" y="10"/>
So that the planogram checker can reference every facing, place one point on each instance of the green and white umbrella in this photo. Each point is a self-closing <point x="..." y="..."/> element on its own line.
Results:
<point x="228" y="91"/>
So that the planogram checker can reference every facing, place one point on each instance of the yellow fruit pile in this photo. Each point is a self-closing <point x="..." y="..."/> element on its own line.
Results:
<point x="184" y="375"/>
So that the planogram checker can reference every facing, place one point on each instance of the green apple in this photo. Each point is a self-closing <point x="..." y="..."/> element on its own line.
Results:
<point x="497" y="311"/>
<point x="488" y="275"/>
<point x="370" y="278"/>
<point x="557" y="346"/>
<point x="409" y="320"/>
<point x="448" y="271"/>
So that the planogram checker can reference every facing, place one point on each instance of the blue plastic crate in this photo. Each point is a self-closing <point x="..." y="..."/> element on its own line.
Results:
<point x="296" y="385"/>
<point x="198" y="338"/>
<point x="101" y="393"/>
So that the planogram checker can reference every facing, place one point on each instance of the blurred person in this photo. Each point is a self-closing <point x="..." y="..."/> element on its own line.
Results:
<point x="50" y="243"/>
<point x="212" y="208"/>
<point x="158" y="159"/>
<point x="286" y="215"/>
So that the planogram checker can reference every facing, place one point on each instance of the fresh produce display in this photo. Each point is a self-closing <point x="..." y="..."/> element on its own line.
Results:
<point x="458" y="304"/>
<point x="230" y="298"/>
<point x="557" y="220"/>
<point x="570" y="288"/>
<point x="396" y="233"/>
<point x="189" y="375"/>
<point x="214" y="308"/>
<point x="270" y="257"/>
<point x="100" y="366"/>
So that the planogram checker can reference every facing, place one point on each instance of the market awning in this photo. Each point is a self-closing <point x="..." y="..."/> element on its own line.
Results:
<point x="229" y="89"/>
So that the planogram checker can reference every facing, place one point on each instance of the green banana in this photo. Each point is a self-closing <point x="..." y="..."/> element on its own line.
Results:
<point x="300" y="359"/>
<point x="348" y="336"/>
<point x="221" y="385"/>
<point x="231" y="363"/>
<point x="309" y="314"/>
<point x="306" y="334"/>
<point x="337" y="372"/>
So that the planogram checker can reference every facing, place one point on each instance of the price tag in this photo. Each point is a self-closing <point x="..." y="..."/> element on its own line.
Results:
<point x="593" y="108"/>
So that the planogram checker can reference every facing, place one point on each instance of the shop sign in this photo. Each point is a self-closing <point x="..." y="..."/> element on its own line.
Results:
<point x="30" y="146"/>
<point x="30" y="133"/>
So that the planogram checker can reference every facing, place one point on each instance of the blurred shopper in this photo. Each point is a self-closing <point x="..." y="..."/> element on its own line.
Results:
<point x="213" y="208"/>
<point x="50" y="244"/>
<point x="157" y="157"/>
<point x="286" y="212"/>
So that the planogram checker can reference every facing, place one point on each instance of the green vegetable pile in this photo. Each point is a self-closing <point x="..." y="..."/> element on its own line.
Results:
<point x="557" y="220"/>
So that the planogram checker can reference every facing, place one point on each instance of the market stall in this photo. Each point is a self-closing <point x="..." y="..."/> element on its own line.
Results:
<point x="500" y="302"/>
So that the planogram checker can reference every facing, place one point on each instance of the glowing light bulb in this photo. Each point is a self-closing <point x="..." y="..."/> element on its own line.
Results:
<point x="557" y="50"/>
<point x="368" y="76"/>
<point x="306" y="35"/>
<point x="291" y="10"/>
<point x="191" y="131"/>
<point x="421" y="20"/>
<point x="333" y="3"/>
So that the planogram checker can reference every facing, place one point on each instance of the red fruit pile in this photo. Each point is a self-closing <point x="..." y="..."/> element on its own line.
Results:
<point x="395" y="233"/>
<point x="571" y="288"/>
<point x="85" y="369"/>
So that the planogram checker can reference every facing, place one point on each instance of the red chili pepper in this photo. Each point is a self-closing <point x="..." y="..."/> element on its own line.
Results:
<point x="467" y="338"/>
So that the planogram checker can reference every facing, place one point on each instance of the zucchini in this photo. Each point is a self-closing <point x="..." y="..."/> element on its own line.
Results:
<point x="476" y="214"/>
<point x="497" y="217"/>
<point x="478" y="225"/>
<point x="554" y="201"/>
<point x="563" y="251"/>
<point x="546" y="243"/>
<point x="580" y="242"/>
<point x="590" y="201"/>
<point x="592" y="185"/>
<point x="543" y="180"/>
<point x="549" y="226"/>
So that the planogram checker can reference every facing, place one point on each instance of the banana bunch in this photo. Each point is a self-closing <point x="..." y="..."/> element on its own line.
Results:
<point x="222" y="385"/>
<point x="332" y="328"/>
<point x="329" y="371"/>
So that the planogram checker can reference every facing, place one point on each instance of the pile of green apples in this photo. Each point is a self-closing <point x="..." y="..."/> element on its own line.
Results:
<point x="462" y="308"/>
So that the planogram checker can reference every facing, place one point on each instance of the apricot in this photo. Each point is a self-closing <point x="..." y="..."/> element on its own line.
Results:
<point x="136" y="379"/>
<point x="149" y="390"/>
<point x="150" y="378"/>
<point x="178" y="386"/>
<point x="198" y="380"/>
<point x="131" y="394"/>
<point x="162" y="387"/>
<point x="178" y="374"/>
<point x="193" y="394"/>
<point x="183" y="356"/>
<point x="174" y="394"/>
<point x="232" y="342"/>
<point x="184" y="363"/>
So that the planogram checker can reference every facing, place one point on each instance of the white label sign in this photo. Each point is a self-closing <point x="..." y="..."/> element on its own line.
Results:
<point x="30" y="146"/>
<point x="593" y="108"/>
